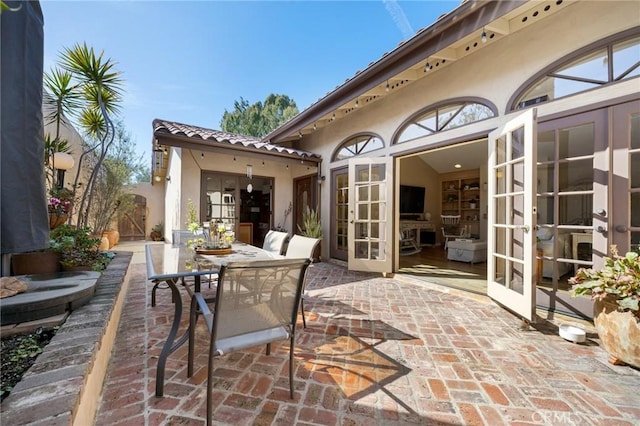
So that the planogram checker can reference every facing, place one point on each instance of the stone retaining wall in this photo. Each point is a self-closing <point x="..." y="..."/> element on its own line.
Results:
<point x="63" y="385"/>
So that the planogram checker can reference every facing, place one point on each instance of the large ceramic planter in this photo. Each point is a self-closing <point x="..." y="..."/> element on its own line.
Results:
<point x="619" y="332"/>
<point x="43" y="262"/>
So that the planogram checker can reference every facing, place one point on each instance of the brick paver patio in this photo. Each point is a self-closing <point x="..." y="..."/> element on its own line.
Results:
<point x="376" y="351"/>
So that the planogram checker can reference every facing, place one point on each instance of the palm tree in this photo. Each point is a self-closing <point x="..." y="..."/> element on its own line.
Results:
<point x="90" y="83"/>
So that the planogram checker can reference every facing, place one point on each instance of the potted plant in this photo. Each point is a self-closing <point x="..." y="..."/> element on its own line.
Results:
<point x="78" y="250"/>
<point x="312" y="228"/>
<point x="59" y="206"/>
<point x="156" y="232"/>
<point x="615" y="290"/>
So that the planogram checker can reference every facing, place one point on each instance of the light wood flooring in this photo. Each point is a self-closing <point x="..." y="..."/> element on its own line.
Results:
<point x="432" y="265"/>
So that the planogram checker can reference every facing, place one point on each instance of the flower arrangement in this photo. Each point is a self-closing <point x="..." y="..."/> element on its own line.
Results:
<point x="58" y="206"/>
<point x="619" y="279"/>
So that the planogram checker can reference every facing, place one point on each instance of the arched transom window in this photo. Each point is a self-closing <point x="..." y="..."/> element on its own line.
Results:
<point x="606" y="63"/>
<point x="358" y="145"/>
<point x="445" y="116"/>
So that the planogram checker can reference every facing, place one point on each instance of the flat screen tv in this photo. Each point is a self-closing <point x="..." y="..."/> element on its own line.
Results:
<point x="411" y="199"/>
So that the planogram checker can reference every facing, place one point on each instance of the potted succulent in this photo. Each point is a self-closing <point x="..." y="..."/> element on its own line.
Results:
<point x="312" y="228"/>
<point x="615" y="290"/>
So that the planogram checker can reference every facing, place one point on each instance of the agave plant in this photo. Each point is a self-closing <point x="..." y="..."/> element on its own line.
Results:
<point x="311" y="221"/>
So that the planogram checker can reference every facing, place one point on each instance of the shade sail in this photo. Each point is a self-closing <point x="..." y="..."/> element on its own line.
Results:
<point x="24" y="224"/>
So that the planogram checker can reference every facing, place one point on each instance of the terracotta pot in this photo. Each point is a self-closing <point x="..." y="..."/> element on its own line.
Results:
<point x="619" y="332"/>
<point x="111" y="235"/>
<point x="104" y="243"/>
<point x="56" y="220"/>
<point x="35" y="263"/>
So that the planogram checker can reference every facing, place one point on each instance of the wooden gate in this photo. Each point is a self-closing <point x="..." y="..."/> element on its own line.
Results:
<point x="131" y="225"/>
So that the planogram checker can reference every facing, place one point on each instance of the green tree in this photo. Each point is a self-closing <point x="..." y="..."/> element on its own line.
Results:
<point x="260" y="118"/>
<point x="87" y="86"/>
<point x="119" y="169"/>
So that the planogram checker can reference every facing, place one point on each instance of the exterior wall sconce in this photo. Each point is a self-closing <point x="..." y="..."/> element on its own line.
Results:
<point x="62" y="162"/>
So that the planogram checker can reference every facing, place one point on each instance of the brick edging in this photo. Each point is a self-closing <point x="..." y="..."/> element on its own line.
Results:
<point x="50" y="392"/>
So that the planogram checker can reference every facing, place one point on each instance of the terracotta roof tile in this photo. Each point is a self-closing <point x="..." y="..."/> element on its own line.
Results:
<point x="220" y="138"/>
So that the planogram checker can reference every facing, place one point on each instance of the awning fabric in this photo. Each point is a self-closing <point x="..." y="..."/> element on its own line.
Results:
<point x="24" y="224"/>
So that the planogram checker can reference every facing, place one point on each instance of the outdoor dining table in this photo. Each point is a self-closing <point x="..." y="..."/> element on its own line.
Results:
<point x="171" y="264"/>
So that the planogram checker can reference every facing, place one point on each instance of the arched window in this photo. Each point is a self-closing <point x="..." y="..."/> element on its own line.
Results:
<point x="444" y="116"/>
<point x="358" y="145"/>
<point x="602" y="63"/>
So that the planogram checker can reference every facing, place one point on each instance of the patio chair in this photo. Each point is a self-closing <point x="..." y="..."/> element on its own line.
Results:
<point x="239" y="320"/>
<point x="302" y="247"/>
<point x="450" y="225"/>
<point x="274" y="241"/>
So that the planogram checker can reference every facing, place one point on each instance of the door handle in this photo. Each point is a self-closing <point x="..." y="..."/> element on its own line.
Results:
<point x="621" y="228"/>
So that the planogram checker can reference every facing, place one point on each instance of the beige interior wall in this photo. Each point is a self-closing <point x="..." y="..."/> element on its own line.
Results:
<point x="416" y="172"/>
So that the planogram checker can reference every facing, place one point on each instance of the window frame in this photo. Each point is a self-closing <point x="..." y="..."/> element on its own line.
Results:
<point x="552" y="70"/>
<point x="439" y="105"/>
<point x="348" y="140"/>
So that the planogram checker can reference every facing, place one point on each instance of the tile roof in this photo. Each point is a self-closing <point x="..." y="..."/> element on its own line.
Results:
<point x="224" y="139"/>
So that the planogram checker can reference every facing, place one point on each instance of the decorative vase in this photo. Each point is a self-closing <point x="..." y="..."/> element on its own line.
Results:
<point x="56" y="220"/>
<point x="104" y="243"/>
<point x="619" y="332"/>
<point x="111" y="235"/>
<point x="37" y="262"/>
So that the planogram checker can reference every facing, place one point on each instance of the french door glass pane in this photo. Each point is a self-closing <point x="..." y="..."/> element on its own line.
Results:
<point x="501" y="150"/>
<point x="576" y="141"/>
<point x="362" y="212"/>
<point x="576" y="175"/>
<point x="575" y="209"/>
<point x="546" y="146"/>
<point x="517" y="143"/>
<point x="363" y="193"/>
<point x="361" y="230"/>
<point x="635" y="209"/>
<point x="516" y="283"/>
<point x="545" y="178"/>
<point x="545" y="210"/>
<point x="635" y="170"/>
<point x="635" y="131"/>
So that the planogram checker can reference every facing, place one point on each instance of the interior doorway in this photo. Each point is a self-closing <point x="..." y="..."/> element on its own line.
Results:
<point x="244" y="202"/>
<point x="434" y="186"/>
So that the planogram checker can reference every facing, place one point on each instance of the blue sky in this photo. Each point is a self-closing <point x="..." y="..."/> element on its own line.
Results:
<point x="188" y="61"/>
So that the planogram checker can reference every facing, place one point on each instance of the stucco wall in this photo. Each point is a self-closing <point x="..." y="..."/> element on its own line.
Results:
<point x="154" y="195"/>
<point x="495" y="72"/>
<point x="185" y="169"/>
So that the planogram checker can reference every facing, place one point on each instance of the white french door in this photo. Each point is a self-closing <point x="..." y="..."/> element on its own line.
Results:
<point x="511" y="240"/>
<point x="370" y="213"/>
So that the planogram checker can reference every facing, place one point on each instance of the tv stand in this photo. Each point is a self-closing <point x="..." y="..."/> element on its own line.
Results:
<point x="423" y="231"/>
